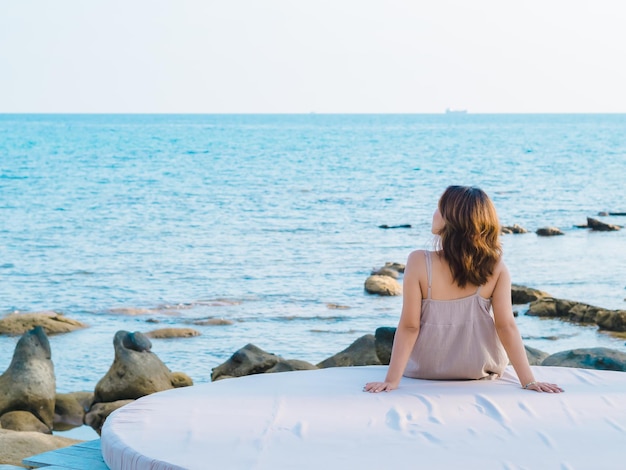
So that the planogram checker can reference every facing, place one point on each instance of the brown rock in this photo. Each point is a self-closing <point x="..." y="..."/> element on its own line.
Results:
<point x="288" y="365"/>
<point x="180" y="379"/>
<point x="523" y="295"/>
<point x="23" y="421"/>
<point x="213" y="322"/>
<point x="16" y="446"/>
<point x="548" y="231"/>
<point x="70" y="409"/>
<point x="52" y="323"/>
<point x="135" y="372"/>
<point x="172" y="333"/>
<point x="513" y="229"/>
<point x="99" y="412"/>
<point x="395" y="266"/>
<point x="386" y="272"/>
<point x="29" y="382"/>
<point x="382" y="285"/>
<point x="613" y="320"/>
<point x="248" y="360"/>
<point x="360" y="353"/>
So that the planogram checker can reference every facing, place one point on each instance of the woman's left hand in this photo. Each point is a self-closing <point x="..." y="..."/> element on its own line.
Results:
<point x="544" y="387"/>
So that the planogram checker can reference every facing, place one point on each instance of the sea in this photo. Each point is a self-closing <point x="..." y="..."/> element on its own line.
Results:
<point x="268" y="225"/>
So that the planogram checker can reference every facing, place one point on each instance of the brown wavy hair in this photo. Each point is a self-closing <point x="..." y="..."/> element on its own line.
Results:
<point x="470" y="237"/>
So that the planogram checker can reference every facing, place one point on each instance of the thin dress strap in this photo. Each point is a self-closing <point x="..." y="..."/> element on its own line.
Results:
<point x="428" y="271"/>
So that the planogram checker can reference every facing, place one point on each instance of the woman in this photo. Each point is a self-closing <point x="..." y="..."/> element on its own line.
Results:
<point x="457" y="319"/>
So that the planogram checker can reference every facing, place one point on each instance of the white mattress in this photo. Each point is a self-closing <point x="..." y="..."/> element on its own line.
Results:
<point x="322" y="419"/>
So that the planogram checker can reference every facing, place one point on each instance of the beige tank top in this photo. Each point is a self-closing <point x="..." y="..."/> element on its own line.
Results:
<point x="457" y="339"/>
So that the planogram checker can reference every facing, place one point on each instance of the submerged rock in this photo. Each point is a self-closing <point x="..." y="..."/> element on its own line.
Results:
<point x="507" y="229"/>
<point x="548" y="232"/>
<point x="360" y="353"/>
<point x="172" y="333"/>
<point x="595" y="224"/>
<point x="29" y="383"/>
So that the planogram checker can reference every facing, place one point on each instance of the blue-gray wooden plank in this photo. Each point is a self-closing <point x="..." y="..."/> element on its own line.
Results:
<point x="79" y="456"/>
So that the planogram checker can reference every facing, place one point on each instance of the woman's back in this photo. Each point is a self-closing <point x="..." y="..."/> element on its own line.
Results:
<point x="458" y="339"/>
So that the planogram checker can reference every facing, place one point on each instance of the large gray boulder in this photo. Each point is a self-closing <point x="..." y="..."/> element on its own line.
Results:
<point x="383" y="342"/>
<point x="535" y="356"/>
<point x="360" y="353"/>
<point x="588" y="358"/>
<point x="251" y="360"/>
<point x="29" y="383"/>
<point x="136" y="371"/>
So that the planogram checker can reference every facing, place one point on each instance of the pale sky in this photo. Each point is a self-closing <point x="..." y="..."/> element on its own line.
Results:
<point x="301" y="56"/>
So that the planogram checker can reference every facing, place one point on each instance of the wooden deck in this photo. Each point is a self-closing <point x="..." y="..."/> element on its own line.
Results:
<point x="82" y="456"/>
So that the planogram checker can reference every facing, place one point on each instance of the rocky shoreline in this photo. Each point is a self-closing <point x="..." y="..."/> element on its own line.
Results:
<point x="30" y="408"/>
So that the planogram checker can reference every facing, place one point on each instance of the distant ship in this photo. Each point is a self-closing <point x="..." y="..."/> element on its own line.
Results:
<point x="456" y="111"/>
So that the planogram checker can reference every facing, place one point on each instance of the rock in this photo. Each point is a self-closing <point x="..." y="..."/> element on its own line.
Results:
<point x="535" y="356"/>
<point x="588" y="358"/>
<point x="135" y="372"/>
<point x="180" y="379"/>
<point x="617" y="213"/>
<point x="99" y="412"/>
<point x="52" y="323"/>
<point x="513" y="229"/>
<point x="385" y="226"/>
<point x="70" y="409"/>
<point x="383" y="341"/>
<point x="360" y="353"/>
<point x="595" y="224"/>
<point x="386" y="272"/>
<point x="23" y="421"/>
<point x="172" y="333"/>
<point x="382" y="285"/>
<point x="395" y="266"/>
<point x="213" y="322"/>
<point x="248" y="360"/>
<point x="29" y="382"/>
<point x="548" y="231"/>
<point x="543" y="308"/>
<point x="288" y="365"/>
<point x="331" y="306"/>
<point x="16" y="446"/>
<point x="523" y="295"/>
<point x="612" y="320"/>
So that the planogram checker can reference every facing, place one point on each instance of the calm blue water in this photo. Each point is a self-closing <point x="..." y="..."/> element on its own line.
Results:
<point x="264" y="220"/>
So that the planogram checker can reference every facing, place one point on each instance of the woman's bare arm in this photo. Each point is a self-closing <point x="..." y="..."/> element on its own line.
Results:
<point x="509" y="334"/>
<point x="408" y="327"/>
